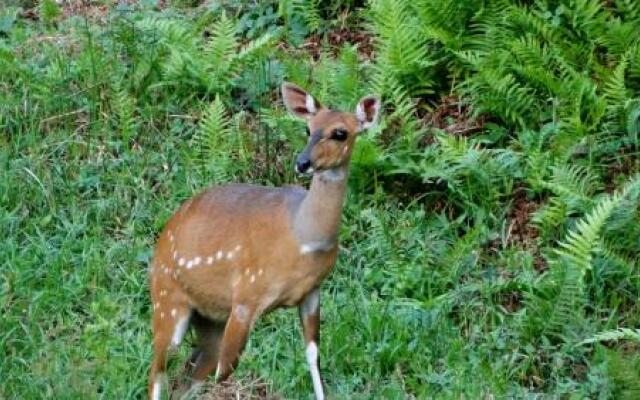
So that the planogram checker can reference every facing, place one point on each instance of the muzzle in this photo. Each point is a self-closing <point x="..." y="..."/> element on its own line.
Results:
<point x="303" y="161"/>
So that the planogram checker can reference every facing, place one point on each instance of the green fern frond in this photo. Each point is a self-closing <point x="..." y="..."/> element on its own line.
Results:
<point x="570" y="263"/>
<point x="446" y="21"/>
<point x="219" y="52"/>
<point x="213" y="143"/>
<point x="615" y="90"/>
<point x="257" y="48"/>
<point x="613" y="335"/>
<point x="401" y="54"/>
<point x="166" y="31"/>
<point x="346" y="86"/>
<point x="632" y="125"/>
<point x="573" y="182"/>
<point x="310" y="10"/>
<point x="498" y="93"/>
<point x="124" y="107"/>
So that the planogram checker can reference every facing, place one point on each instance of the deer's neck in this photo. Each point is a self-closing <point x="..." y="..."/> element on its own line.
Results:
<point x="317" y="221"/>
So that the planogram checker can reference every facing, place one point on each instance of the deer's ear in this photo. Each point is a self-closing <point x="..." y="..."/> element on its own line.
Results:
<point x="298" y="102"/>
<point x="367" y="111"/>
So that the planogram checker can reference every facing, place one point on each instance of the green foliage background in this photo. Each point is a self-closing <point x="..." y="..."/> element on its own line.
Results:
<point x="491" y="233"/>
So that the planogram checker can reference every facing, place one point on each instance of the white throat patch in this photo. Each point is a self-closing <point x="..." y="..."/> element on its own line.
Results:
<point x="333" y="175"/>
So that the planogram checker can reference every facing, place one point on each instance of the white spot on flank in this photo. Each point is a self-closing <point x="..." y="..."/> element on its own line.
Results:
<point x="173" y="312"/>
<point x="196" y="261"/>
<point x="189" y="264"/>
<point x="175" y="255"/>
<point x="312" y="360"/>
<point x="170" y="236"/>
<point x="163" y="293"/>
<point x="210" y="260"/>
<point x="310" y="103"/>
<point x="246" y="271"/>
<point x="166" y="270"/>
<point x="157" y="387"/>
<point x="260" y="271"/>
<point x="253" y="278"/>
<point x="219" y="255"/>
<point x="237" y="248"/>
<point x="179" y="330"/>
<point x="229" y="255"/>
<point x="155" y="306"/>
<point x="181" y="261"/>
<point x="162" y="315"/>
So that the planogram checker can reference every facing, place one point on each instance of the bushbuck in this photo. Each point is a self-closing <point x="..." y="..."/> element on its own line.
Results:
<point x="237" y="251"/>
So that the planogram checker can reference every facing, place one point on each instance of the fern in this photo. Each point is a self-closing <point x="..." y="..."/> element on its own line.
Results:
<point x="219" y="52"/>
<point x="49" y="10"/>
<point x="401" y="54"/>
<point x="574" y="188"/>
<point x="616" y="95"/>
<point x="310" y="12"/>
<point x="124" y="106"/>
<point x="613" y="335"/>
<point x="210" y="66"/>
<point x="214" y="145"/>
<point x="570" y="262"/>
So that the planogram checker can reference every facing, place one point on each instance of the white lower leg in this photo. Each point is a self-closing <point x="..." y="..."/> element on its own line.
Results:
<point x="156" y="391"/>
<point x="312" y="360"/>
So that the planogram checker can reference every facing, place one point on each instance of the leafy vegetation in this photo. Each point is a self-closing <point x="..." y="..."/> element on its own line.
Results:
<point x="491" y="235"/>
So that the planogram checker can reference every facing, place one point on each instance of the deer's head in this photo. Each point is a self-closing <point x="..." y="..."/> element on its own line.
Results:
<point x="331" y="133"/>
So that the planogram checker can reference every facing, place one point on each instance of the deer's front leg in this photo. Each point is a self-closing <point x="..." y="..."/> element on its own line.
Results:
<point x="310" y="317"/>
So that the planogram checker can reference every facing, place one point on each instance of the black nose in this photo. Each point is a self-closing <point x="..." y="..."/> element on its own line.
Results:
<point x="303" y="165"/>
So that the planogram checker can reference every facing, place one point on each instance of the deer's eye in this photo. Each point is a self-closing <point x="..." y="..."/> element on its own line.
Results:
<point x="339" y="134"/>
<point x="308" y="131"/>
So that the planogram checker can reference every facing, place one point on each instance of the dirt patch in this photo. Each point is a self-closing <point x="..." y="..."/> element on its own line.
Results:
<point x="455" y="116"/>
<point x="511" y="301"/>
<point x="338" y="37"/>
<point x="95" y="11"/>
<point x="521" y="231"/>
<point x="246" y="389"/>
<point x="625" y="165"/>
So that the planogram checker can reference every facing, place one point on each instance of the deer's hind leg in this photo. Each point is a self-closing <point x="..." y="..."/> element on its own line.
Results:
<point x="204" y="356"/>
<point x="170" y="320"/>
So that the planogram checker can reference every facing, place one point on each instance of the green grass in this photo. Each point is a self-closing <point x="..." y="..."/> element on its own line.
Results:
<point x="499" y="261"/>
